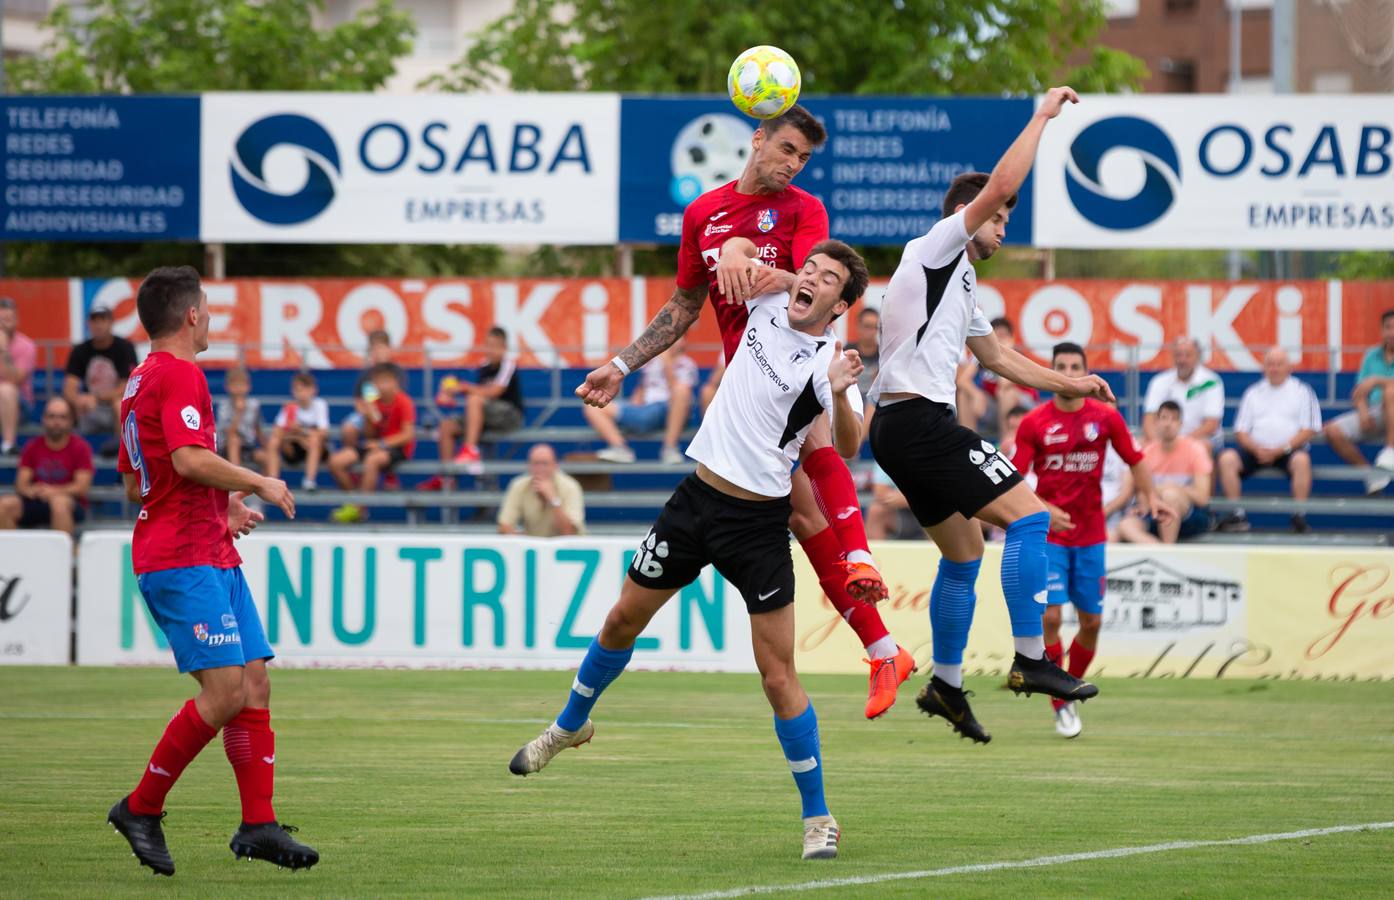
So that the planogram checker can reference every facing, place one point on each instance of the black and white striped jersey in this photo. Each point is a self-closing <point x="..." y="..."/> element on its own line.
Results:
<point x="929" y="310"/>
<point x="775" y="385"/>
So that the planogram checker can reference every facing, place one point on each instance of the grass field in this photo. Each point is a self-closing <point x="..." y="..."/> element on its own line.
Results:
<point x="400" y="779"/>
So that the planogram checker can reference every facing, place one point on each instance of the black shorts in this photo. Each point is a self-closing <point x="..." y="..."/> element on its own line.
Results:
<point x="394" y="456"/>
<point x="38" y="514"/>
<point x="746" y="540"/>
<point x="1248" y="465"/>
<point x="293" y="452"/>
<point x="940" y="466"/>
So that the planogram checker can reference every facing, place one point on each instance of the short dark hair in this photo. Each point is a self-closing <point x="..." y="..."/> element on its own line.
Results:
<point x="497" y="332"/>
<point x="165" y="296"/>
<point x="857" y="275"/>
<point x="964" y="188"/>
<point x="379" y="336"/>
<point x="304" y="378"/>
<point x="1170" y="405"/>
<point x="1066" y="348"/>
<point x="238" y="372"/>
<point x="869" y="311"/>
<point x="1386" y="316"/>
<point x="386" y="368"/>
<point x="1018" y="411"/>
<point x="67" y="405"/>
<point x="803" y="120"/>
<point x="1003" y="322"/>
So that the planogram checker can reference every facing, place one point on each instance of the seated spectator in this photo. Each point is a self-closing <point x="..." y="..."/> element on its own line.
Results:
<point x="379" y="353"/>
<point x="1373" y="417"/>
<point x="1191" y="386"/>
<point x="18" y="356"/>
<point x="889" y="516"/>
<point x="1116" y="488"/>
<point x="983" y="395"/>
<point x="708" y="392"/>
<point x="1277" y="417"/>
<point x="55" y="472"/>
<point x="239" y="417"/>
<point x="1182" y="469"/>
<point x="95" y="378"/>
<point x="662" y="400"/>
<point x="300" y="432"/>
<point x="494" y="402"/>
<point x="545" y="502"/>
<point x="868" y="347"/>
<point x="389" y="437"/>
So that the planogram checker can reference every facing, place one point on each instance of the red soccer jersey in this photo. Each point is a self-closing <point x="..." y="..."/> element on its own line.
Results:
<point x="1067" y="450"/>
<point x="783" y="226"/>
<point x="182" y="523"/>
<point x="395" y="416"/>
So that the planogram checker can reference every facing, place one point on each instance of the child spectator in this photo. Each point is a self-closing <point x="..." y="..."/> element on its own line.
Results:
<point x="300" y="432"/>
<point x="55" y="472"/>
<point x="661" y="400"/>
<point x="239" y="417"/>
<point x="494" y="402"/>
<point x="389" y="437"/>
<point x="379" y="353"/>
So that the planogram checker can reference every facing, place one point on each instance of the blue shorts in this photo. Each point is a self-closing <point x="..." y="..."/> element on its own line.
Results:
<point x="1076" y="575"/>
<point x="642" y="418"/>
<point x="207" y="615"/>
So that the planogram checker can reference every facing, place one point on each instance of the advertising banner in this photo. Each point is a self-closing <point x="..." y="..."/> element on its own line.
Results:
<point x="1303" y="173"/>
<point x="100" y="168"/>
<point x="36" y="590"/>
<point x="418" y="169"/>
<point x="881" y="175"/>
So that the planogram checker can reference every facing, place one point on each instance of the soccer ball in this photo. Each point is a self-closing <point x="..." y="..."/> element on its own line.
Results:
<point x="763" y="82"/>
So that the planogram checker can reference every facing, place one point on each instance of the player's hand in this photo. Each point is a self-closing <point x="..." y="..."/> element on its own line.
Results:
<point x="1090" y="386"/>
<point x="1055" y="100"/>
<point x="769" y="280"/>
<point x="601" y="386"/>
<point x="275" y="492"/>
<point x="845" y="368"/>
<point x="735" y="277"/>
<point x="1060" y="520"/>
<point x="242" y="519"/>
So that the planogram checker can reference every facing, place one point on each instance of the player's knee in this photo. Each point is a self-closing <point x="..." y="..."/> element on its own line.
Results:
<point x="778" y="681"/>
<point x="1090" y="623"/>
<point x="1051" y="617"/>
<point x="621" y="627"/>
<point x="805" y="523"/>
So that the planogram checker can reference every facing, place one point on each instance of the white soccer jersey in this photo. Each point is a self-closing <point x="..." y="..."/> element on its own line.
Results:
<point x="775" y="385"/>
<point x="929" y="310"/>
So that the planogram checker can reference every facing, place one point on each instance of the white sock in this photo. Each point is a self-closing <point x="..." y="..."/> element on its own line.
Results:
<point x="861" y="556"/>
<point x="1030" y="647"/>
<point x="950" y="675"/>
<point x="882" y="648"/>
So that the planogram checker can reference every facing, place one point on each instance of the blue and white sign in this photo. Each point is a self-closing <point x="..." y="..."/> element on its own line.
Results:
<point x="881" y="175"/>
<point x="1298" y="172"/>
<point x="430" y="168"/>
<point x="100" y="168"/>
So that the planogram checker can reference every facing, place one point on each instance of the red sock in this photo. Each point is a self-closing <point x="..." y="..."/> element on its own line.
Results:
<point x="1080" y="658"/>
<point x="250" y="745"/>
<point x="837" y="497"/>
<point x="1056" y="653"/>
<point x="826" y="555"/>
<point x="185" y="735"/>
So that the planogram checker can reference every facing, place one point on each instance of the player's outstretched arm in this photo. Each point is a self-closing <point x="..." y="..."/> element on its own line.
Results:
<point x="677" y="315"/>
<point x="1011" y="170"/>
<point x="208" y="468"/>
<point x="1016" y="368"/>
<point x="843" y="372"/>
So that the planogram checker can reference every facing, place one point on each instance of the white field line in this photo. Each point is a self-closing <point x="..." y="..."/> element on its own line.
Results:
<point x="1039" y="861"/>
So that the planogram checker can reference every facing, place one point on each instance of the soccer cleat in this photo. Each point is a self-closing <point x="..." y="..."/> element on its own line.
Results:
<point x="864" y="584"/>
<point x="886" y="676"/>
<point x="145" y="835"/>
<point x="536" y="753"/>
<point x="820" y="837"/>
<point x="939" y="698"/>
<point x="1041" y="676"/>
<point x="469" y="458"/>
<point x="272" y="842"/>
<point x="1067" y="721"/>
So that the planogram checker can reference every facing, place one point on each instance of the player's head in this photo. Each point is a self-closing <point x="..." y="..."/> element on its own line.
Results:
<point x="171" y="300"/>
<point x="379" y="347"/>
<point x="962" y="191"/>
<point x="1276" y="366"/>
<point x="99" y="321"/>
<point x="1386" y="324"/>
<point x="1185" y="355"/>
<point x="495" y="345"/>
<point x="303" y="387"/>
<point x="238" y="382"/>
<point x="58" y="419"/>
<point x="384" y="376"/>
<point x="1068" y="358"/>
<point x="542" y="461"/>
<point x="1169" y="420"/>
<point x="832" y="278"/>
<point x="781" y="147"/>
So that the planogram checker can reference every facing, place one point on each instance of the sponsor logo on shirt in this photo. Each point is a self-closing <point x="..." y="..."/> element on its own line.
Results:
<point x="1091" y="431"/>
<point x="229" y="620"/>
<point x="1077" y="461"/>
<point x="766" y="220"/>
<point x="717" y="216"/>
<point x="646" y="561"/>
<point x="991" y="463"/>
<point x="191" y="418"/>
<point x="716" y="229"/>
<point x="1054" y="435"/>
<point x="757" y="352"/>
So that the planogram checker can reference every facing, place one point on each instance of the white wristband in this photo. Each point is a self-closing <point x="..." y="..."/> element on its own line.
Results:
<point x="619" y="364"/>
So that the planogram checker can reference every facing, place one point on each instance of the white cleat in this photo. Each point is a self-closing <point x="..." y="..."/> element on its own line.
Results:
<point x="1067" y="721"/>
<point x="820" y="837"/>
<point x="539" y="751"/>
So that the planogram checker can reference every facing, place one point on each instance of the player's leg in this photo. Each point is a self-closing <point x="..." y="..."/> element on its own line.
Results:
<point x="1088" y="577"/>
<point x="1058" y="566"/>
<point x="836" y="499"/>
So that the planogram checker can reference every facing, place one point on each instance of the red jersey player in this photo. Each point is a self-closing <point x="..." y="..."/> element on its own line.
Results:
<point x="1065" y="440"/>
<point x="740" y="241"/>
<point x="189" y="574"/>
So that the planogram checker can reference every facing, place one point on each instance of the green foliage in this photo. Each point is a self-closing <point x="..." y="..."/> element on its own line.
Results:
<point x="1363" y="265"/>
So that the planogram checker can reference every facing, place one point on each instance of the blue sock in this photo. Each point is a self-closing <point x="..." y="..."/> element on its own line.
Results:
<point x="951" y="603"/>
<point x="598" y="669"/>
<point x="1024" y="573"/>
<point x="799" y="738"/>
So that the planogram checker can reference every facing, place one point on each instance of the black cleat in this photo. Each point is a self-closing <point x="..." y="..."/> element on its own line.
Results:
<point x="1041" y="676"/>
<point x="272" y="842"/>
<point x="145" y="835"/>
<point x="939" y="698"/>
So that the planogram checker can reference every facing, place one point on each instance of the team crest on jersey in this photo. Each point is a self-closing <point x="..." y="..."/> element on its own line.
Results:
<point x="766" y="220"/>
<point x="800" y="355"/>
<point x="201" y="632"/>
<point x="1091" y="431"/>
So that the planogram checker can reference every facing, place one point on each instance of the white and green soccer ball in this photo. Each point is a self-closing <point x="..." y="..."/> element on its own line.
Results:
<point x="763" y="82"/>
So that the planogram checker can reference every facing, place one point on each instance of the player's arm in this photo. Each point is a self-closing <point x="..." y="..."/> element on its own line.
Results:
<point x="677" y="315"/>
<point x="843" y="373"/>
<point x="201" y="465"/>
<point x="131" y="482"/>
<point x="1011" y="170"/>
<point x="1011" y="365"/>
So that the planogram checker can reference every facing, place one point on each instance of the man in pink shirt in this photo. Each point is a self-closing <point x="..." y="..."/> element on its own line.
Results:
<point x="17" y="358"/>
<point x="1183" y="473"/>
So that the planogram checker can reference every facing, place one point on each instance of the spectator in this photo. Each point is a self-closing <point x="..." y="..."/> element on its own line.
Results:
<point x="1116" y="488"/>
<point x="1197" y="390"/>
<point x="546" y="502"/>
<point x="18" y="356"/>
<point x="1277" y="417"/>
<point x="868" y="346"/>
<point x="379" y="353"/>
<point x="983" y="394"/>
<point x="1373" y="416"/>
<point x="55" y="472"/>
<point x="389" y="437"/>
<point x="494" y="402"/>
<point x="301" y="431"/>
<point x="889" y="516"/>
<point x="95" y="379"/>
<point x="708" y="392"/>
<point x="661" y="400"/>
<point x="1182" y="469"/>
<point x="239" y="417"/>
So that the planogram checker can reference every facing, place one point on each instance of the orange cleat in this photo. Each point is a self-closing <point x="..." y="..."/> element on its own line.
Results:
<point x="864" y="584"/>
<point x="886" y="676"/>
